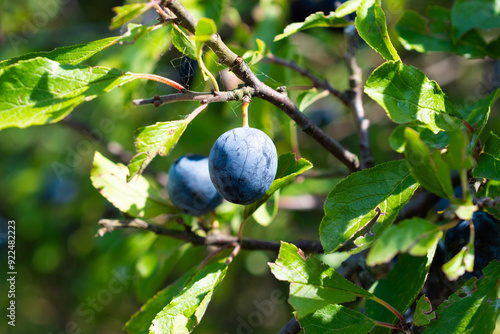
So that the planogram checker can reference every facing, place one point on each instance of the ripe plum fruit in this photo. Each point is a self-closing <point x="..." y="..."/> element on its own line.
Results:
<point x="242" y="165"/>
<point x="189" y="186"/>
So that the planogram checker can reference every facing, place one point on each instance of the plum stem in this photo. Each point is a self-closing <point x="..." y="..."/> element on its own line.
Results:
<point x="244" y="107"/>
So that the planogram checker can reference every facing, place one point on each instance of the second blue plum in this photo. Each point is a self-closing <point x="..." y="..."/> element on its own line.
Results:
<point x="189" y="185"/>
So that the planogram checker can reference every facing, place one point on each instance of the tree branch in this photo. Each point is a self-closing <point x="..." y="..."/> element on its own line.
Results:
<point x="236" y="64"/>
<point x="317" y="83"/>
<point x="355" y="97"/>
<point x="219" y="240"/>
<point x="233" y="95"/>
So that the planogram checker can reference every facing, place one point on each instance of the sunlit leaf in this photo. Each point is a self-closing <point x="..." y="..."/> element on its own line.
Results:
<point x="460" y="263"/>
<point x="205" y="29"/>
<point x="183" y="43"/>
<point x="376" y="193"/>
<point x="138" y="198"/>
<point x="397" y="139"/>
<point x="347" y="7"/>
<point x="313" y="285"/>
<point x="372" y="27"/>
<point x="186" y="310"/>
<point x="39" y="90"/>
<point x="308" y="97"/>
<point x="474" y="308"/>
<point x="263" y="215"/>
<point x="128" y="12"/>
<point x="423" y="312"/>
<point x="415" y="236"/>
<point x="140" y="322"/>
<point x="334" y="319"/>
<point x="318" y="19"/>
<point x="253" y="57"/>
<point x="408" y="96"/>
<point x="428" y="168"/>
<point x="152" y="140"/>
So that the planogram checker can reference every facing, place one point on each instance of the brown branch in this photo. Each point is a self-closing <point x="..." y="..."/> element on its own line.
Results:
<point x="486" y="202"/>
<point x="355" y="97"/>
<point x="317" y="83"/>
<point x="219" y="240"/>
<point x="236" y="64"/>
<point x="233" y="95"/>
<point x="291" y="327"/>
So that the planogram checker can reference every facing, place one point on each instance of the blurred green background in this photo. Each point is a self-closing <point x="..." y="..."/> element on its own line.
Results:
<point x="70" y="281"/>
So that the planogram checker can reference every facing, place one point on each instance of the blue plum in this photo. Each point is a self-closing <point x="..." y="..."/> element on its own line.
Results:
<point x="242" y="165"/>
<point x="189" y="185"/>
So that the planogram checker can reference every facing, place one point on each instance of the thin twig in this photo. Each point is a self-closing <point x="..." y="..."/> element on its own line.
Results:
<point x="109" y="225"/>
<point x="233" y="95"/>
<point x="355" y="97"/>
<point x="236" y="64"/>
<point x="317" y="83"/>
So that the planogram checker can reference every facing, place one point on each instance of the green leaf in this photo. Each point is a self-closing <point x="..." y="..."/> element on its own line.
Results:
<point x="398" y="142"/>
<point x="205" y="29"/>
<point x="262" y="216"/>
<point x="486" y="15"/>
<point x="355" y="200"/>
<point x="253" y="57"/>
<point x="428" y="168"/>
<point x="138" y="198"/>
<point x="315" y="20"/>
<point x="456" y="155"/>
<point x="399" y="288"/>
<point x="40" y="91"/>
<point x="435" y="34"/>
<point x="407" y="95"/>
<point x="461" y="262"/>
<point x="128" y="12"/>
<point x="186" y="310"/>
<point x="372" y="27"/>
<point x="347" y="8"/>
<point x="336" y="319"/>
<point x="140" y="322"/>
<point x="473" y="309"/>
<point x="313" y="285"/>
<point x="488" y="163"/>
<point x="152" y="140"/>
<point x="308" y="97"/>
<point x="183" y="43"/>
<point x="288" y="168"/>
<point x="75" y="54"/>
<point x="423" y="312"/>
<point x="415" y="236"/>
